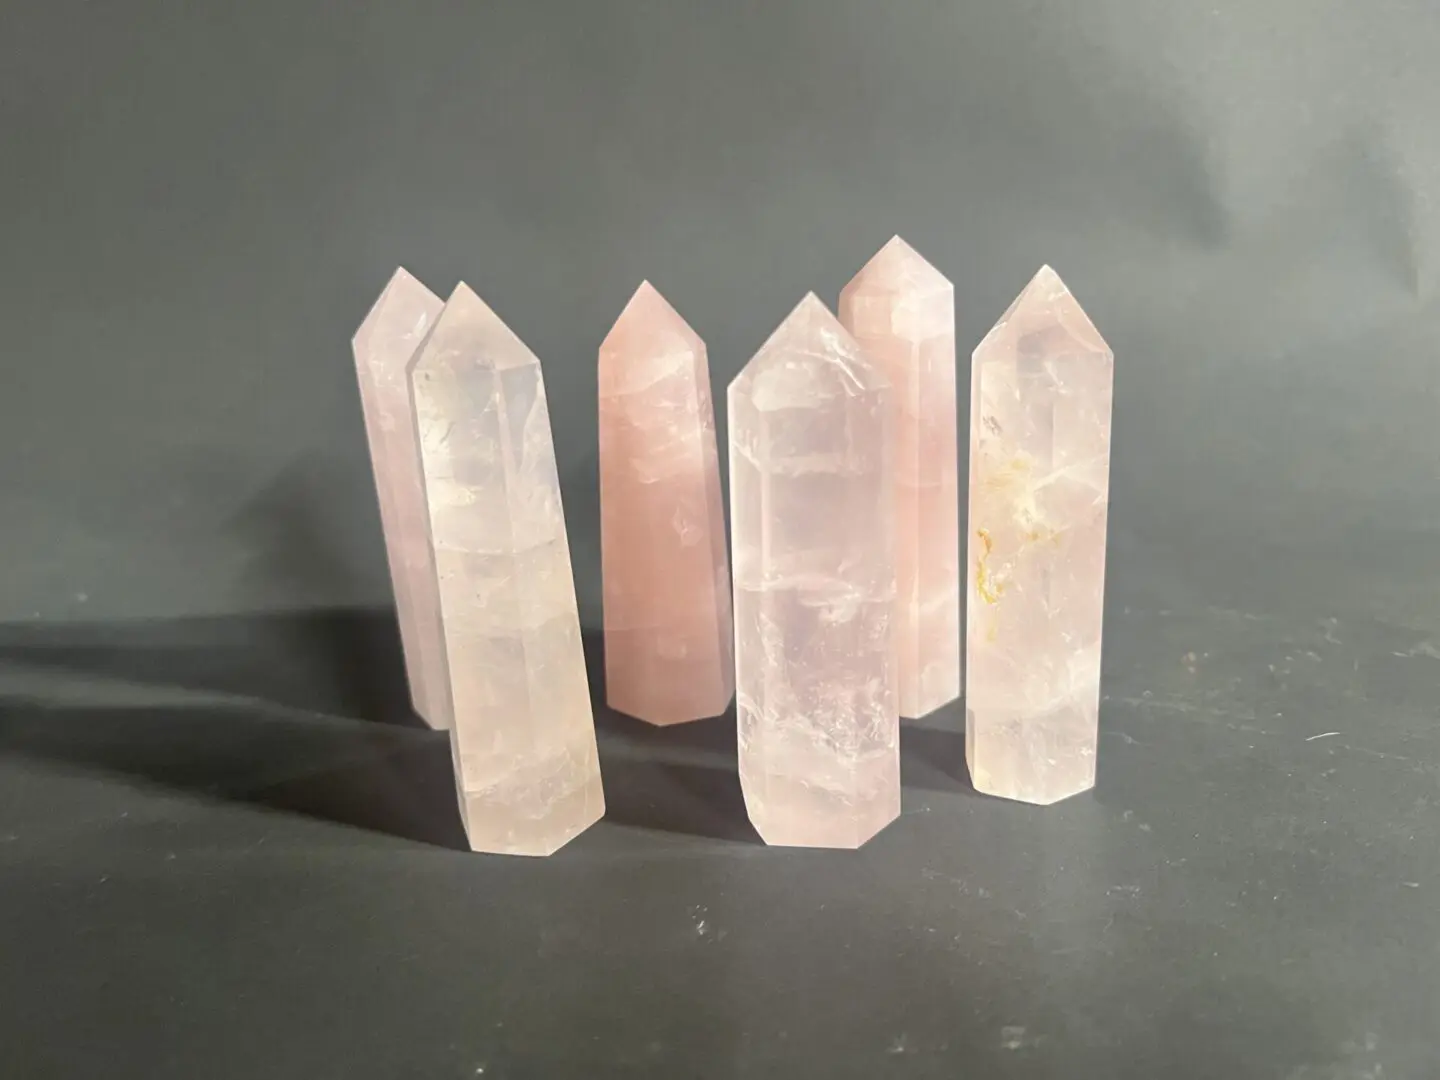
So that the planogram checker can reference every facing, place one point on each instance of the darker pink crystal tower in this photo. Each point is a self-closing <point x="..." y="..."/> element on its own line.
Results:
<point x="902" y="312"/>
<point x="669" y="638"/>
<point x="1040" y="404"/>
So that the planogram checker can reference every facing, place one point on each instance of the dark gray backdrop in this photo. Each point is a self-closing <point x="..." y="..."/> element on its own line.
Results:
<point x="213" y="866"/>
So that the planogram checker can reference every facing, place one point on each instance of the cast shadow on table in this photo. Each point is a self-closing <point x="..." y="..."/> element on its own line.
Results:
<point x="341" y="662"/>
<point x="680" y="779"/>
<point x="375" y="777"/>
<point x="267" y="710"/>
<point x="932" y="752"/>
<point x="685" y="778"/>
<point x="287" y="732"/>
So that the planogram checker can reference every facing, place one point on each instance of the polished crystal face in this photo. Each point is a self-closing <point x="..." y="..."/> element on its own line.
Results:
<point x="901" y="310"/>
<point x="383" y="345"/>
<point x="1039" y="488"/>
<point x="523" y="736"/>
<point x="669" y="639"/>
<point x="812" y="494"/>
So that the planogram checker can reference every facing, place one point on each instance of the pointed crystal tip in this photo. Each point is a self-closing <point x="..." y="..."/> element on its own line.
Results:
<point x="402" y="291"/>
<point x="1047" y="302"/>
<point x="810" y="327"/>
<point x="1045" y="286"/>
<point x="468" y="333"/>
<point x="647" y="323"/>
<point x="646" y="298"/>
<point x="809" y="357"/>
<point x="464" y="297"/>
<point x="898" y="266"/>
<point x="1047" y="282"/>
<point x="811" y="320"/>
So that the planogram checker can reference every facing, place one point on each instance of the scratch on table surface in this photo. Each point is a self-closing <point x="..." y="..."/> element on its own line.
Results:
<point x="1015" y="1037"/>
<point x="1180" y="707"/>
<point x="1322" y="735"/>
<point x="1425" y="648"/>
<point x="1207" y="714"/>
<point x="899" y="1045"/>
<point x="1126" y="739"/>
<point x="1236" y="614"/>
<point x="1381" y="754"/>
<point x="936" y="875"/>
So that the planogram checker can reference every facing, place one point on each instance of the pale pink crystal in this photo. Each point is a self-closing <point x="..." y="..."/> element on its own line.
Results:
<point x="812" y="492"/>
<point x="902" y="312"/>
<point x="1039" y="487"/>
<point x="669" y="639"/>
<point x="523" y="736"/>
<point x="383" y="346"/>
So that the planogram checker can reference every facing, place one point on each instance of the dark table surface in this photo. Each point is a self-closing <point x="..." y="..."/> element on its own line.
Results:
<point x="259" y="871"/>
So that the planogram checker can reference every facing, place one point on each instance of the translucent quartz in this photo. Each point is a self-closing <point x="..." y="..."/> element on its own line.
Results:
<point x="383" y="346"/>
<point x="523" y="734"/>
<point x="812" y="493"/>
<point x="902" y="312"/>
<point x="1039" y="486"/>
<point x="669" y="639"/>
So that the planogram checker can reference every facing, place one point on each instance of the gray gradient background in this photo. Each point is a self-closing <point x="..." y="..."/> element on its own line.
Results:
<point x="200" y="201"/>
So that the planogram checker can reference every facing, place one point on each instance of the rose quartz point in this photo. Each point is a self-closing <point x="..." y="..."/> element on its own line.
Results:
<point x="669" y="638"/>
<point x="1040" y="404"/>
<point x="812" y="489"/>
<point x="523" y="737"/>
<point x="383" y="346"/>
<point x="902" y="312"/>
